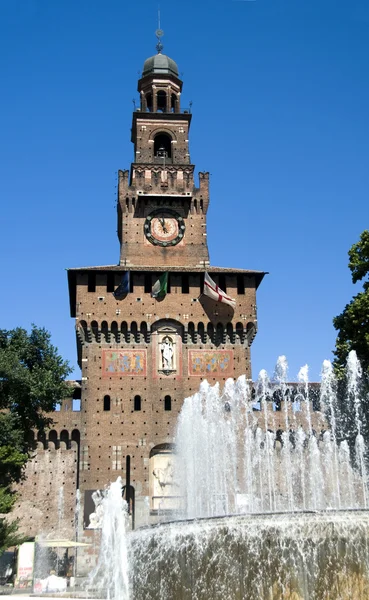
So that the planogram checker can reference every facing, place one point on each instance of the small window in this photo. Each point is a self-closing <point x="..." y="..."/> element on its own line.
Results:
<point x="137" y="403"/>
<point x="110" y="283"/>
<point x="131" y="282"/>
<point x="106" y="402"/>
<point x="76" y="404"/>
<point x="185" y="284"/>
<point x="222" y="283"/>
<point x="167" y="403"/>
<point x="240" y="285"/>
<point x="91" y="282"/>
<point x="147" y="283"/>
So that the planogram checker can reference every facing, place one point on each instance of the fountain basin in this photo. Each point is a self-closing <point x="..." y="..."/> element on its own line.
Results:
<point x="279" y="556"/>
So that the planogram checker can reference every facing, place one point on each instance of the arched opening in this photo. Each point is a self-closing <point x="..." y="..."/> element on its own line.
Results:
<point x="83" y="326"/>
<point x="137" y="403"/>
<point x="161" y="99"/>
<point x="239" y="331"/>
<point x="210" y="329"/>
<point x="230" y="332"/>
<point x="41" y="437"/>
<point x="201" y="332"/>
<point x="277" y="400"/>
<point x="105" y="330"/>
<point x="53" y="437"/>
<point x="124" y="330"/>
<point x="162" y="485"/>
<point x="297" y="402"/>
<point x="167" y="403"/>
<point x="134" y="330"/>
<point x="95" y="329"/>
<point x="219" y="333"/>
<point x="107" y="403"/>
<point x="76" y="436"/>
<point x="173" y="103"/>
<point x="191" y="331"/>
<point x="30" y="438"/>
<point x="114" y="330"/>
<point x="162" y="146"/>
<point x="64" y="437"/>
<point x="143" y="329"/>
<point x="149" y="102"/>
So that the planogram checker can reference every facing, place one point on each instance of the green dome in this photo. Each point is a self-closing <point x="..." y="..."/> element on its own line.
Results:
<point x="159" y="64"/>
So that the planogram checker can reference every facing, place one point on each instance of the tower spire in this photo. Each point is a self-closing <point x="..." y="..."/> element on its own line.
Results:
<point x="159" y="34"/>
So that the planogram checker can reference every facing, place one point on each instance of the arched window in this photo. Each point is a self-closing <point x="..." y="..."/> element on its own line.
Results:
<point x="137" y="403"/>
<point x="106" y="402"/>
<point x="167" y="403"/>
<point x="162" y="146"/>
<point x="149" y="102"/>
<point x="161" y="101"/>
<point x="173" y="102"/>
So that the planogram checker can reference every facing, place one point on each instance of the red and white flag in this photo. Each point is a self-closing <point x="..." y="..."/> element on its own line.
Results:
<point x="215" y="293"/>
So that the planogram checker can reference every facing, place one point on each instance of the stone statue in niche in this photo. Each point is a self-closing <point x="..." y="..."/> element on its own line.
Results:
<point x="166" y="349"/>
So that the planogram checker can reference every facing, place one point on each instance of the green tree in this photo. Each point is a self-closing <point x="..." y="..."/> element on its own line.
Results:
<point x="353" y="323"/>
<point x="32" y="381"/>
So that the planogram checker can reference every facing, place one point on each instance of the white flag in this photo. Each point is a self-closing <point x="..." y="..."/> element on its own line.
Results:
<point x="215" y="293"/>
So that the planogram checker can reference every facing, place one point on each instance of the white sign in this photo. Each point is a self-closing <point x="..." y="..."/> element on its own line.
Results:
<point x="26" y="561"/>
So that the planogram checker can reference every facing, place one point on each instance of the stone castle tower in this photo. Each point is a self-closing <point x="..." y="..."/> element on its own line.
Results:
<point x="141" y="355"/>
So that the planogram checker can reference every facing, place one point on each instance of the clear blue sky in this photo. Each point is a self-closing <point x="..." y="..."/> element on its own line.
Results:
<point x="280" y="93"/>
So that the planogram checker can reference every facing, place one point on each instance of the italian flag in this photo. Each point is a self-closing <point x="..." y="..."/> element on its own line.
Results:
<point x="214" y="292"/>
<point x="159" y="289"/>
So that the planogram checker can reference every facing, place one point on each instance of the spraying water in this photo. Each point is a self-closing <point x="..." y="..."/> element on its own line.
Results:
<point x="253" y="449"/>
<point x="234" y="458"/>
<point x="110" y="577"/>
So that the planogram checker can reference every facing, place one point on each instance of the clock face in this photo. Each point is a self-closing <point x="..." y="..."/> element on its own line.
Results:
<point x="164" y="228"/>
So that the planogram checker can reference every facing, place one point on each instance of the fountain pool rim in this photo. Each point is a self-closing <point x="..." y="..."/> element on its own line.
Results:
<point x="280" y="516"/>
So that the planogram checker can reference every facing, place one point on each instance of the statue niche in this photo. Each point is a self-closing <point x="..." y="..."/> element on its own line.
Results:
<point x="167" y="341"/>
<point x="167" y="354"/>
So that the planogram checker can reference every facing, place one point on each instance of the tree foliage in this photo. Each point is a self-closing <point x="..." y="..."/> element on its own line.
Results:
<point x="353" y="323"/>
<point x="32" y="381"/>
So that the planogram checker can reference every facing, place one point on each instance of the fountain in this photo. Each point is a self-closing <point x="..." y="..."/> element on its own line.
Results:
<point x="266" y="512"/>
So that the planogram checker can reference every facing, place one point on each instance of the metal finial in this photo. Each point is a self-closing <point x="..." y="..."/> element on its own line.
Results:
<point x="159" y="34"/>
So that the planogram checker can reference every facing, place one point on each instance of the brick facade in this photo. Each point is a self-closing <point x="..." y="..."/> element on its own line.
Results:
<point x="130" y="394"/>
